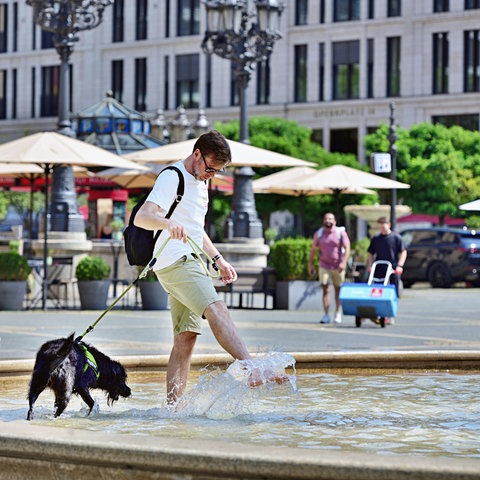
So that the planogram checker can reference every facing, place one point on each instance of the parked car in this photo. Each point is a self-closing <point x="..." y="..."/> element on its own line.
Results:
<point x="441" y="256"/>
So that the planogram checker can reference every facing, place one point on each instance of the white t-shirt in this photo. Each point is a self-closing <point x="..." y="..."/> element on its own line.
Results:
<point x="190" y="212"/>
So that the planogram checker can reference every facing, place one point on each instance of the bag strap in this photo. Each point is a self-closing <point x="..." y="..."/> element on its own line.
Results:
<point x="178" y="198"/>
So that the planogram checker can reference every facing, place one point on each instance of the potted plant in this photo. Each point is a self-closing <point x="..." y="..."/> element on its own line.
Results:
<point x="92" y="273"/>
<point x="117" y="229"/>
<point x="14" y="271"/>
<point x="295" y="288"/>
<point x="153" y="295"/>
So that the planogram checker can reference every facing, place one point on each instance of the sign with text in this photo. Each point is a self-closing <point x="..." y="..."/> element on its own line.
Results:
<point x="381" y="162"/>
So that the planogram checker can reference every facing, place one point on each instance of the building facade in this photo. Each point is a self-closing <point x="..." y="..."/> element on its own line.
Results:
<point x="336" y="69"/>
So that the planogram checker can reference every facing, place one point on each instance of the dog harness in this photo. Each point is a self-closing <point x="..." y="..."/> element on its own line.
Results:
<point x="89" y="361"/>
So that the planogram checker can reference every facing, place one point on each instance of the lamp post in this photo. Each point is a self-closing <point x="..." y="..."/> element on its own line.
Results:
<point x="392" y="138"/>
<point x="245" y="37"/>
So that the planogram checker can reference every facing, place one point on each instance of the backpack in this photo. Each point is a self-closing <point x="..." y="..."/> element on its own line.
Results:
<point x="139" y="243"/>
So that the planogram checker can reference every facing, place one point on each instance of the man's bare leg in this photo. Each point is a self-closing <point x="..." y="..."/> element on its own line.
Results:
<point x="179" y="365"/>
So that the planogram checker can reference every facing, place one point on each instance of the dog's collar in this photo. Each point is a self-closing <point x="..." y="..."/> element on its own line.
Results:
<point x="89" y="361"/>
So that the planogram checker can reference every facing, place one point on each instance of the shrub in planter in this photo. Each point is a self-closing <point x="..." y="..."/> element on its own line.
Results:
<point x="296" y="289"/>
<point x="289" y="258"/>
<point x="92" y="268"/>
<point x="92" y="274"/>
<point x="14" y="271"/>
<point x="13" y="267"/>
<point x="153" y="295"/>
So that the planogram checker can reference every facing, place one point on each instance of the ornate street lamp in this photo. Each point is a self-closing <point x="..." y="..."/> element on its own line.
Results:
<point x="245" y="37"/>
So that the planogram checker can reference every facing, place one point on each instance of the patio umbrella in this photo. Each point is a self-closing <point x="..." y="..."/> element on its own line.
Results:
<point x="47" y="149"/>
<point x="296" y="182"/>
<point x="243" y="155"/>
<point x="473" y="206"/>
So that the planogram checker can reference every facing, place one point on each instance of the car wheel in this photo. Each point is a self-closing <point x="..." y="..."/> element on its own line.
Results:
<point x="439" y="276"/>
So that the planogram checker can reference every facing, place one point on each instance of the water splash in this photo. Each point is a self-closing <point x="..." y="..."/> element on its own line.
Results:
<point x="222" y="395"/>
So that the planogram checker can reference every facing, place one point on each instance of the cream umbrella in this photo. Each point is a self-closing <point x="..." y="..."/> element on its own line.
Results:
<point x="243" y="155"/>
<point x="47" y="149"/>
<point x="296" y="182"/>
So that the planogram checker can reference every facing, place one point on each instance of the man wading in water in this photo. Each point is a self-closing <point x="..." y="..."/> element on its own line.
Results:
<point x="192" y="294"/>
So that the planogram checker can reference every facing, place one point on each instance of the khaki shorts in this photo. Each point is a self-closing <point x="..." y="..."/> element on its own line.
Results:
<point x="327" y="276"/>
<point x="191" y="292"/>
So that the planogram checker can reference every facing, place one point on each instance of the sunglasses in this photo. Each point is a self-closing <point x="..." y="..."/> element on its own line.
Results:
<point x="210" y="169"/>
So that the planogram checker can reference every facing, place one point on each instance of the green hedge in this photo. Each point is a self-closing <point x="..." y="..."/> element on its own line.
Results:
<point x="289" y="258"/>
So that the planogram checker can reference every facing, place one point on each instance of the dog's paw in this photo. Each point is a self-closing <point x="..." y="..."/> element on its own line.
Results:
<point x="94" y="410"/>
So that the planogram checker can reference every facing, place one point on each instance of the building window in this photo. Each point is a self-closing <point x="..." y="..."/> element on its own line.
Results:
<point x="263" y="82"/>
<point x="3" y="27"/>
<point x="394" y="8"/>
<point x="49" y="93"/>
<point x="322" y="11"/>
<point x="300" y="72"/>
<point x="117" y="79"/>
<point x="370" y="69"/>
<point x="345" y="10"/>
<point x="301" y="12"/>
<point x="3" y="94"/>
<point x="141" y="24"/>
<point x="471" y="75"/>
<point x="188" y="17"/>
<point x="234" y="93"/>
<point x="441" y="6"/>
<point x="346" y="70"/>
<point x="187" y="81"/>
<point x="118" y="21"/>
<point x="208" y="81"/>
<point x="467" y="121"/>
<point x="46" y="40"/>
<point x="166" y="81"/>
<point x="167" y="18"/>
<point x="440" y="62"/>
<point x="34" y="92"/>
<point x="371" y="9"/>
<point x="393" y="66"/>
<point x="15" y="26"/>
<point x="321" y="72"/>
<point x="14" y="93"/>
<point x="472" y="4"/>
<point x="141" y="84"/>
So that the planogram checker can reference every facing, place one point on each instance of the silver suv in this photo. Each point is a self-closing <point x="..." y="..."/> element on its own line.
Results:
<point x="441" y="256"/>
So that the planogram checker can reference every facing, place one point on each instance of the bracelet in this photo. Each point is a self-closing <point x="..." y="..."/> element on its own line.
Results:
<point x="401" y="266"/>
<point x="216" y="257"/>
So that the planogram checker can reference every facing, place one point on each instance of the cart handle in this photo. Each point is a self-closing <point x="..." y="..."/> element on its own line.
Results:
<point x="372" y="278"/>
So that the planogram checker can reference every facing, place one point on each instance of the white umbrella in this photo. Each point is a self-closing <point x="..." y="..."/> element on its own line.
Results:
<point x="47" y="149"/>
<point x="473" y="206"/>
<point x="297" y="182"/>
<point x="243" y="155"/>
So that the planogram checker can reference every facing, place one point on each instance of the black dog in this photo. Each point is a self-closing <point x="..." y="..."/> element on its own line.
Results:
<point x="67" y="366"/>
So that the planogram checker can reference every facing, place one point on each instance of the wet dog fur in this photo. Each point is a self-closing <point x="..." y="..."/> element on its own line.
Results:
<point x="60" y="365"/>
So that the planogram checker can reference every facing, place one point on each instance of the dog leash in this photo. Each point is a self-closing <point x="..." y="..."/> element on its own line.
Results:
<point x="197" y="252"/>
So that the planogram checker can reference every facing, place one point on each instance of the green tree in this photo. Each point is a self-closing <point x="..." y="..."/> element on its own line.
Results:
<point x="441" y="164"/>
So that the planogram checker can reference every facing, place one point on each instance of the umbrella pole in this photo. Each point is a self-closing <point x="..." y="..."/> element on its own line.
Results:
<point x="45" y="242"/>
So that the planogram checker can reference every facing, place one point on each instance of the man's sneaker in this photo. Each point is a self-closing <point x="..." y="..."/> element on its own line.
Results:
<point x="325" y="318"/>
<point x="338" y="318"/>
<point x="391" y="321"/>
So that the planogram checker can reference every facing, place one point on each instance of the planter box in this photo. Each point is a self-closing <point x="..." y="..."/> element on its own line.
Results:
<point x="154" y="297"/>
<point x="12" y="295"/>
<point x="93" y="294"/>
<point x="298" y="295"/>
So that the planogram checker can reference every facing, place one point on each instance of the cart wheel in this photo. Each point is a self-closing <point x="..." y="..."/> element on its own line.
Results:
<point x="383" y="321"/>
<point x="358" y="321"/>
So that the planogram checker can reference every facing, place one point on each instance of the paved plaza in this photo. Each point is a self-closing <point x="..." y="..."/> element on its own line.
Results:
<point x="427" y="319"/>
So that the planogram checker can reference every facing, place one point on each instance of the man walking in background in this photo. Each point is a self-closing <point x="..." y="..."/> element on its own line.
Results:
<point x="333" y="245"/>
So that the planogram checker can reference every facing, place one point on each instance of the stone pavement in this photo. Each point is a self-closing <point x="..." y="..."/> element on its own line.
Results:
<point x="427" y="319"/>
